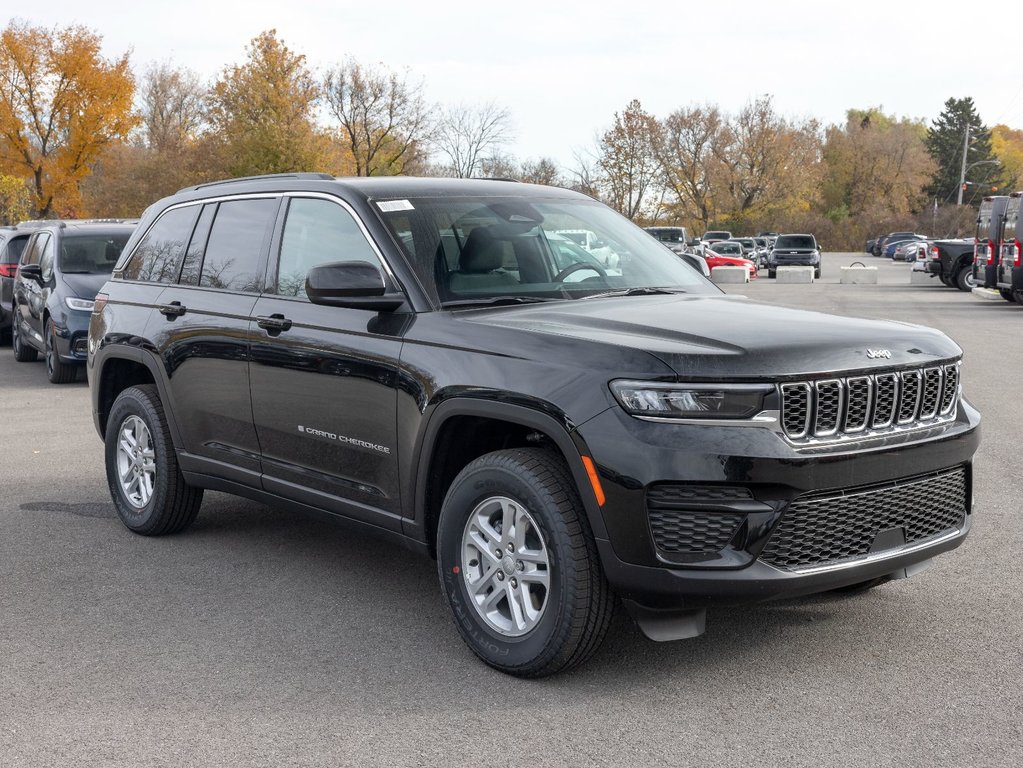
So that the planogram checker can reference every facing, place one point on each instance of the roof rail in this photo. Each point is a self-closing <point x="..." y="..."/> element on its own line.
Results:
<point x="495" y="178"/>
<point x="307" y="175"/>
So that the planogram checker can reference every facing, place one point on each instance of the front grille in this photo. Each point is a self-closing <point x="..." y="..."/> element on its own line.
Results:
<point x="681" y="524"/>
<point x="829" y="528"/>
<point x="836" y="408"/>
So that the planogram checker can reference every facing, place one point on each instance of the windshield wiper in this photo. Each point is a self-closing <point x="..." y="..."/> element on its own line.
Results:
<point x="634" y="292"/>
<point x="496" y="301"/>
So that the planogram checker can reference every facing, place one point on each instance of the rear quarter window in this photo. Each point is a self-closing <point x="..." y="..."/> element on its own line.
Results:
<point x="159" y="254"/>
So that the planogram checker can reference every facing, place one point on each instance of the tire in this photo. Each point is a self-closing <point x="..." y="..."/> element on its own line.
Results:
<point x="1017" y="295"/>
<point x="945" y="280"/>
<point x="817" y="274"/>
<point x="165" y="504"/>
<point x="771" y="274"/>
<point x="57" y="371"/>
<point x="530" y="489"/>
<point x="23" y="353"/>
<point x="1006" y="294"/>
<point x="964" y="278"/>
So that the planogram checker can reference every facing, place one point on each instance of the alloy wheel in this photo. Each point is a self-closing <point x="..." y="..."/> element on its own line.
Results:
<point x="506" y="566"/>
<point x="136" y="462"/>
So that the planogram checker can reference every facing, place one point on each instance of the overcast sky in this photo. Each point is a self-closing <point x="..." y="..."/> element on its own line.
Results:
<point x="564" y="68"/>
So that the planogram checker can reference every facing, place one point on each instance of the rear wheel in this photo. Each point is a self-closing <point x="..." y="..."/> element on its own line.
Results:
<point x="146" y="484"/>
<point x="1017" y="295"/>
<point x="964" y="278"/>
<point x="23" y="353"/>
<point x="57" y="371"/>
<point x="519" y="565"/>
<point x="1006" y="294"/>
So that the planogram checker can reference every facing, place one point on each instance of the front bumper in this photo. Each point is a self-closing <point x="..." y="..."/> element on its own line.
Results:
<point x="71" y="329"/>
<point x="774" y="474"/>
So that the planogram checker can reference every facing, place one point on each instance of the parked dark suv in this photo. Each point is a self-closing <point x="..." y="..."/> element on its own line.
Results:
<point x="407" y="356"/>
<point x="794" y="250"/>
<point x="62" y="267"/>
<point x="12" y="243"/>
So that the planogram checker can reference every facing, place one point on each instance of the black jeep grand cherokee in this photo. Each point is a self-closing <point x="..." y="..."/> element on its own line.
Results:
<point x="408" y="356"/>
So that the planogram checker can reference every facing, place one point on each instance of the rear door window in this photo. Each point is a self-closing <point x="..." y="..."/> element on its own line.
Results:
<point x="235" y="258"/>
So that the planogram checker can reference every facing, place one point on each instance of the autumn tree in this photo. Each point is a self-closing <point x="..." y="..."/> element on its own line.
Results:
<point x="171" y="101"/>
<point x="688" y="147"/>
<point x="469" y="135"/>
<point x="945" y="140"/>
<point x="542" y="170"/>
<point x="875" y="162"/>
<point x="383" y="119"/>
<point x="1007" y="147"/>
<point x="772" y="162"/>
<point x="262" y="111"/>
<point x="168" y="151"/>
<point x="15" y="199"/>
<point x="628" y="167"/>
<point x="61" y="104"/>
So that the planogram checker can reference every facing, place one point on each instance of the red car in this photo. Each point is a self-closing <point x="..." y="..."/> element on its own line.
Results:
<point x="715" y="259"/>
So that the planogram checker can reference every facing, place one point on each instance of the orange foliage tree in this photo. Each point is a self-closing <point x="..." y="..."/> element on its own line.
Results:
<point x="61" y="105"/>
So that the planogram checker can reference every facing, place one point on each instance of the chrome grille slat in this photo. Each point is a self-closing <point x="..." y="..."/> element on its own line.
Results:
<point x="909" y="396"/>
<point x="886" y="397"/>
<point x="835" y="408"/>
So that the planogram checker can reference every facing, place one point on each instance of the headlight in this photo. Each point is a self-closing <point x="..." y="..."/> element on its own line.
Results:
<point x="83" y="305"/>
<point x="691" y="401"/>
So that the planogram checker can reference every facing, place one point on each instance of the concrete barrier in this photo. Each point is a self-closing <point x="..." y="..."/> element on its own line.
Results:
<point x="794" y="274"/>
<point x="859" y="276"/>
<point x="991" y="294"/>
<point x="729" y="274"/>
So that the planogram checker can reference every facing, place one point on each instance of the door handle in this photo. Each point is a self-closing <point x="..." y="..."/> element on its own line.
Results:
<point x="172" y="310"/>
<point x="273" y="324"/>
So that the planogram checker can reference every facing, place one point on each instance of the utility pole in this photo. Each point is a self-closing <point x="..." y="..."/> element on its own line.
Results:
<point x="962" y="172"/>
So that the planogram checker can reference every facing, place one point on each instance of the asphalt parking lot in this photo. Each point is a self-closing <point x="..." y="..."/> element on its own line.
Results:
<point x="261" y="639"/>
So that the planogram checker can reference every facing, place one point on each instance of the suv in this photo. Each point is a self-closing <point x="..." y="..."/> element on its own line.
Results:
<point x="1010" y="265"/>
<point x="406" y="356"/>
<point x="12" y="243"/>
<point x="62" y="267"/>
<point x="794" y="250"/>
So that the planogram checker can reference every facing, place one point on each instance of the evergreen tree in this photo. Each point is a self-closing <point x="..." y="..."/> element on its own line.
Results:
<point x="945" y="144"/>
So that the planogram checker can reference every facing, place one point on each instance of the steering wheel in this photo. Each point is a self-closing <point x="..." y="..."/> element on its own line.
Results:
<point x="572" y="268"/>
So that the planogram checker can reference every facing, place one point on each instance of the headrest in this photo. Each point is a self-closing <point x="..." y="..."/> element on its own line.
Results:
<point x="481" y="252"/>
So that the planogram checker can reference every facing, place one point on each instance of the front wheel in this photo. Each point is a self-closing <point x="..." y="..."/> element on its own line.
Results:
<point x="57" y="371"/>
<point x="149" y="492"/>
<point x="519" y="566"/>
<point x="771" y="274"/>
<point x="1006" y="294"/>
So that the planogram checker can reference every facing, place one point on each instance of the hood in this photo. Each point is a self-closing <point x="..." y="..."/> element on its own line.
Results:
<point x="708" y="337"/>
<point x="85" y="286"/>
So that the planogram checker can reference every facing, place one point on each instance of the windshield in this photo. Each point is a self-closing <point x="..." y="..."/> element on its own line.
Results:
<point x="667" y="234"/>
<point x="727" y="249"/>
<point x="90" y="254"/>
<point x="717" y="236"/>
<point x="487" y="249"/>
<point x="795" y="241"/>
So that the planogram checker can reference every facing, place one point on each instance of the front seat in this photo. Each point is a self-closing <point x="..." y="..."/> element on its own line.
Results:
<point x="480" y="264"/>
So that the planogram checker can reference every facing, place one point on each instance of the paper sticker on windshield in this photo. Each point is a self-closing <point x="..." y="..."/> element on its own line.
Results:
<point x="388" y="206"/>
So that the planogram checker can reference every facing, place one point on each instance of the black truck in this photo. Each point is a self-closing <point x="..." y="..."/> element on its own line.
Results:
<point x="952" y="262"/>
<point x="408" y="357"/>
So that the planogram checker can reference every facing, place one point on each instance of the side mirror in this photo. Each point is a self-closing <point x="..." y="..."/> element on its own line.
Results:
<point x="32" y="272"/>
<point x="352" y="284"/>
